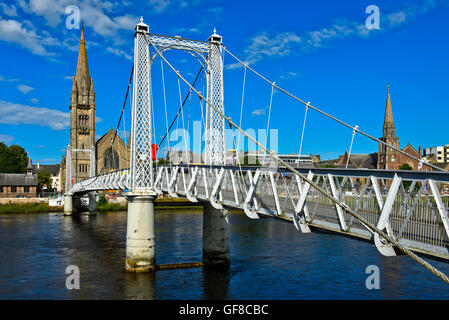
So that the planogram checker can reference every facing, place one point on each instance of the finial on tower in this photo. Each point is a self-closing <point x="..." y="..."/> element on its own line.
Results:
<point x="141" y="26"/>
<point x="388" y="89"/>
<point x="215" y="37"/>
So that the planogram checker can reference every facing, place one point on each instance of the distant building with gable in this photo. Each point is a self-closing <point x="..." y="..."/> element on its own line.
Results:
<point x="19" y="185"/>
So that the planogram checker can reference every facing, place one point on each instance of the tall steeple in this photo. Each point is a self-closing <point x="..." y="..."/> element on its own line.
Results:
<point x="82" y="115"/>
<point x="388" y="128"/>
<point x="82" y="68"/>
<point x="387" y="157"/>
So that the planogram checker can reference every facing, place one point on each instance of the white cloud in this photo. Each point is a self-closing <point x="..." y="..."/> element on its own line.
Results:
<point x="8" y="10"/>
<point x="179" y="31"/>
<point x="289" y="75"/>
<point x="264" y="45"/>
<point x="160" y="5"/>
<point x="15" y="32"/>
<point x="6" y="138"/>
<point x="119" y="52"/>
<point x="259" y="112"/>
<point x="2" y="78"/>
<point x="34" y="100"/>
<point x="24" y="88"/>
<point x="18" y="114"/>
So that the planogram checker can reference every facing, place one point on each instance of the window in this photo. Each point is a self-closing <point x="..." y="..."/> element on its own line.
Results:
<point x="83" y="168"/>
<point x="26" y="189"/>
<point x="111" y="159"/>
<point x="13" y="189"/>
<point x="1" y="189"/>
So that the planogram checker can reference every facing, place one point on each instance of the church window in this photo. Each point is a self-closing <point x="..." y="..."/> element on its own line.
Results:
<point x="83" y="124"/>
<point x="111" y="159"/>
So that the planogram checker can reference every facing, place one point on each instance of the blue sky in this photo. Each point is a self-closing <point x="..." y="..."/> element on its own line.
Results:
<point x="321" y="51"/>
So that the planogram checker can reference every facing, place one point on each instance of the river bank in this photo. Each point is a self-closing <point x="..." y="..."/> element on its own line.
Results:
<point x="161" y="203"/>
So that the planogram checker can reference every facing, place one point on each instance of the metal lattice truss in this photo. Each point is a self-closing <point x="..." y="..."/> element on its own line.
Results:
<point x="215" y="130"/>
<point x="409" y="206"/>
<point x="141" y="127"/>
<point x="210" y="55"/>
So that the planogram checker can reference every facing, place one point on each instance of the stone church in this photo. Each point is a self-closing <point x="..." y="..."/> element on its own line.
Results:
<point x="108" y="157"/>
<point x="389" y="159"/>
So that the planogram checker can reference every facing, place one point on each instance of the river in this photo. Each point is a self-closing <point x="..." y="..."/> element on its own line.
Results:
<point x="270" y="259"/>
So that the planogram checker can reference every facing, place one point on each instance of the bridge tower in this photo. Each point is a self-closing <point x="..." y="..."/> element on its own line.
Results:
<point x="214" y="152"/>
<point x="215" y="220"/>
<point x="140" y="240"/>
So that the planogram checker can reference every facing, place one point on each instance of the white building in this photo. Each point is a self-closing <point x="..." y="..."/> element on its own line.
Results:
<point x="438" y="153"/>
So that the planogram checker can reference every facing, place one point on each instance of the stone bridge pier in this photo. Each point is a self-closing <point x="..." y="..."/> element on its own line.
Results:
<point x="215" y="236"/>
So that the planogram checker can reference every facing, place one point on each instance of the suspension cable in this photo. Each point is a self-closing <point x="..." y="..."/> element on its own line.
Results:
<point x="302" y="134"/>
<point x="118" y="125"/>
<point x="424" y="263"/>
<point x="329" y="116"/>
<point x="182" y="105"/>
<point x="350" y="147"/>
<point x="269" y="114"/>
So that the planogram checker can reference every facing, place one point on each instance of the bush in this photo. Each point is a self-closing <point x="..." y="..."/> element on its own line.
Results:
<point x="102" y="201"/>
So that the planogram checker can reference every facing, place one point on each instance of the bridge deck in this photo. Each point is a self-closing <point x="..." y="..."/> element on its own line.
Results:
<point x="409" y="202"/>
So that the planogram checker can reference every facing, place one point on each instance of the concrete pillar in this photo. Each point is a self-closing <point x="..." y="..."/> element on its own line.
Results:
<point x="93" y="203"/>
<point x="140" y="239"/>
<point x="68" y="204"/>
<point x="215" y="236"/>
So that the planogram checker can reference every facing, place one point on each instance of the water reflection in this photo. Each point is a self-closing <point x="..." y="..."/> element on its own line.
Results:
<point x="269" y="260"/>
<point x="140" y="286"/>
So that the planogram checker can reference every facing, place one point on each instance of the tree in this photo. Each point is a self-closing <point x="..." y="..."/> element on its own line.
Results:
<point x="249" y="161"/>
<point x="44" y="179"/>
<point x="406" y="184"/>
<point x="13" y="159"/>
<point x="405" y="166"/>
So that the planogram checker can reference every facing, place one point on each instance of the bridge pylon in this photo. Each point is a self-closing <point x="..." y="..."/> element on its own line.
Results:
<point x="214" y="151"/>
<point x="140" y="240"/>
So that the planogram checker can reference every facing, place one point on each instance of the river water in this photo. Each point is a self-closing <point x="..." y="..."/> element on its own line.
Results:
<point x="270" y="259"/>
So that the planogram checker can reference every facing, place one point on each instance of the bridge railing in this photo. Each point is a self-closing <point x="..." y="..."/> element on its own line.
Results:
<point x="409" y="205"/>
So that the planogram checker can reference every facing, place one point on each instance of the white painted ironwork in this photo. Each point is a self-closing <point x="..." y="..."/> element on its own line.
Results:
<point x="68" y="168"/>
<point x="215" y="126"/>
<point x="141" y="165"/>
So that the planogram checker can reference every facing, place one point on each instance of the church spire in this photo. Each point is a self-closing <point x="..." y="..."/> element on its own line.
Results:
<point x="388" y="128"/>
<point x="82" y="68"/>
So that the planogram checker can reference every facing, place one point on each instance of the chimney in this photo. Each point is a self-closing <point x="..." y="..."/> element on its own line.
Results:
<point x="38" y="164"/>
<point x="29" y="167"/>
<point x="420" y="151"/>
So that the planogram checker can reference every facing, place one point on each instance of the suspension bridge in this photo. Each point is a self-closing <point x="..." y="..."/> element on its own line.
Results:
<point x="401" y="212"/>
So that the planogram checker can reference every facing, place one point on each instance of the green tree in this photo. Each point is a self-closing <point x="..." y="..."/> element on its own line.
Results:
<point x="405" y="166"/>
<point x="163" y="161"/>
<point x="102" y="200"/>
<point x="247" y="161"/>
<point x="13" y="159"/>
<point x="44" y="179"/>
<point x="406" y="184"/>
